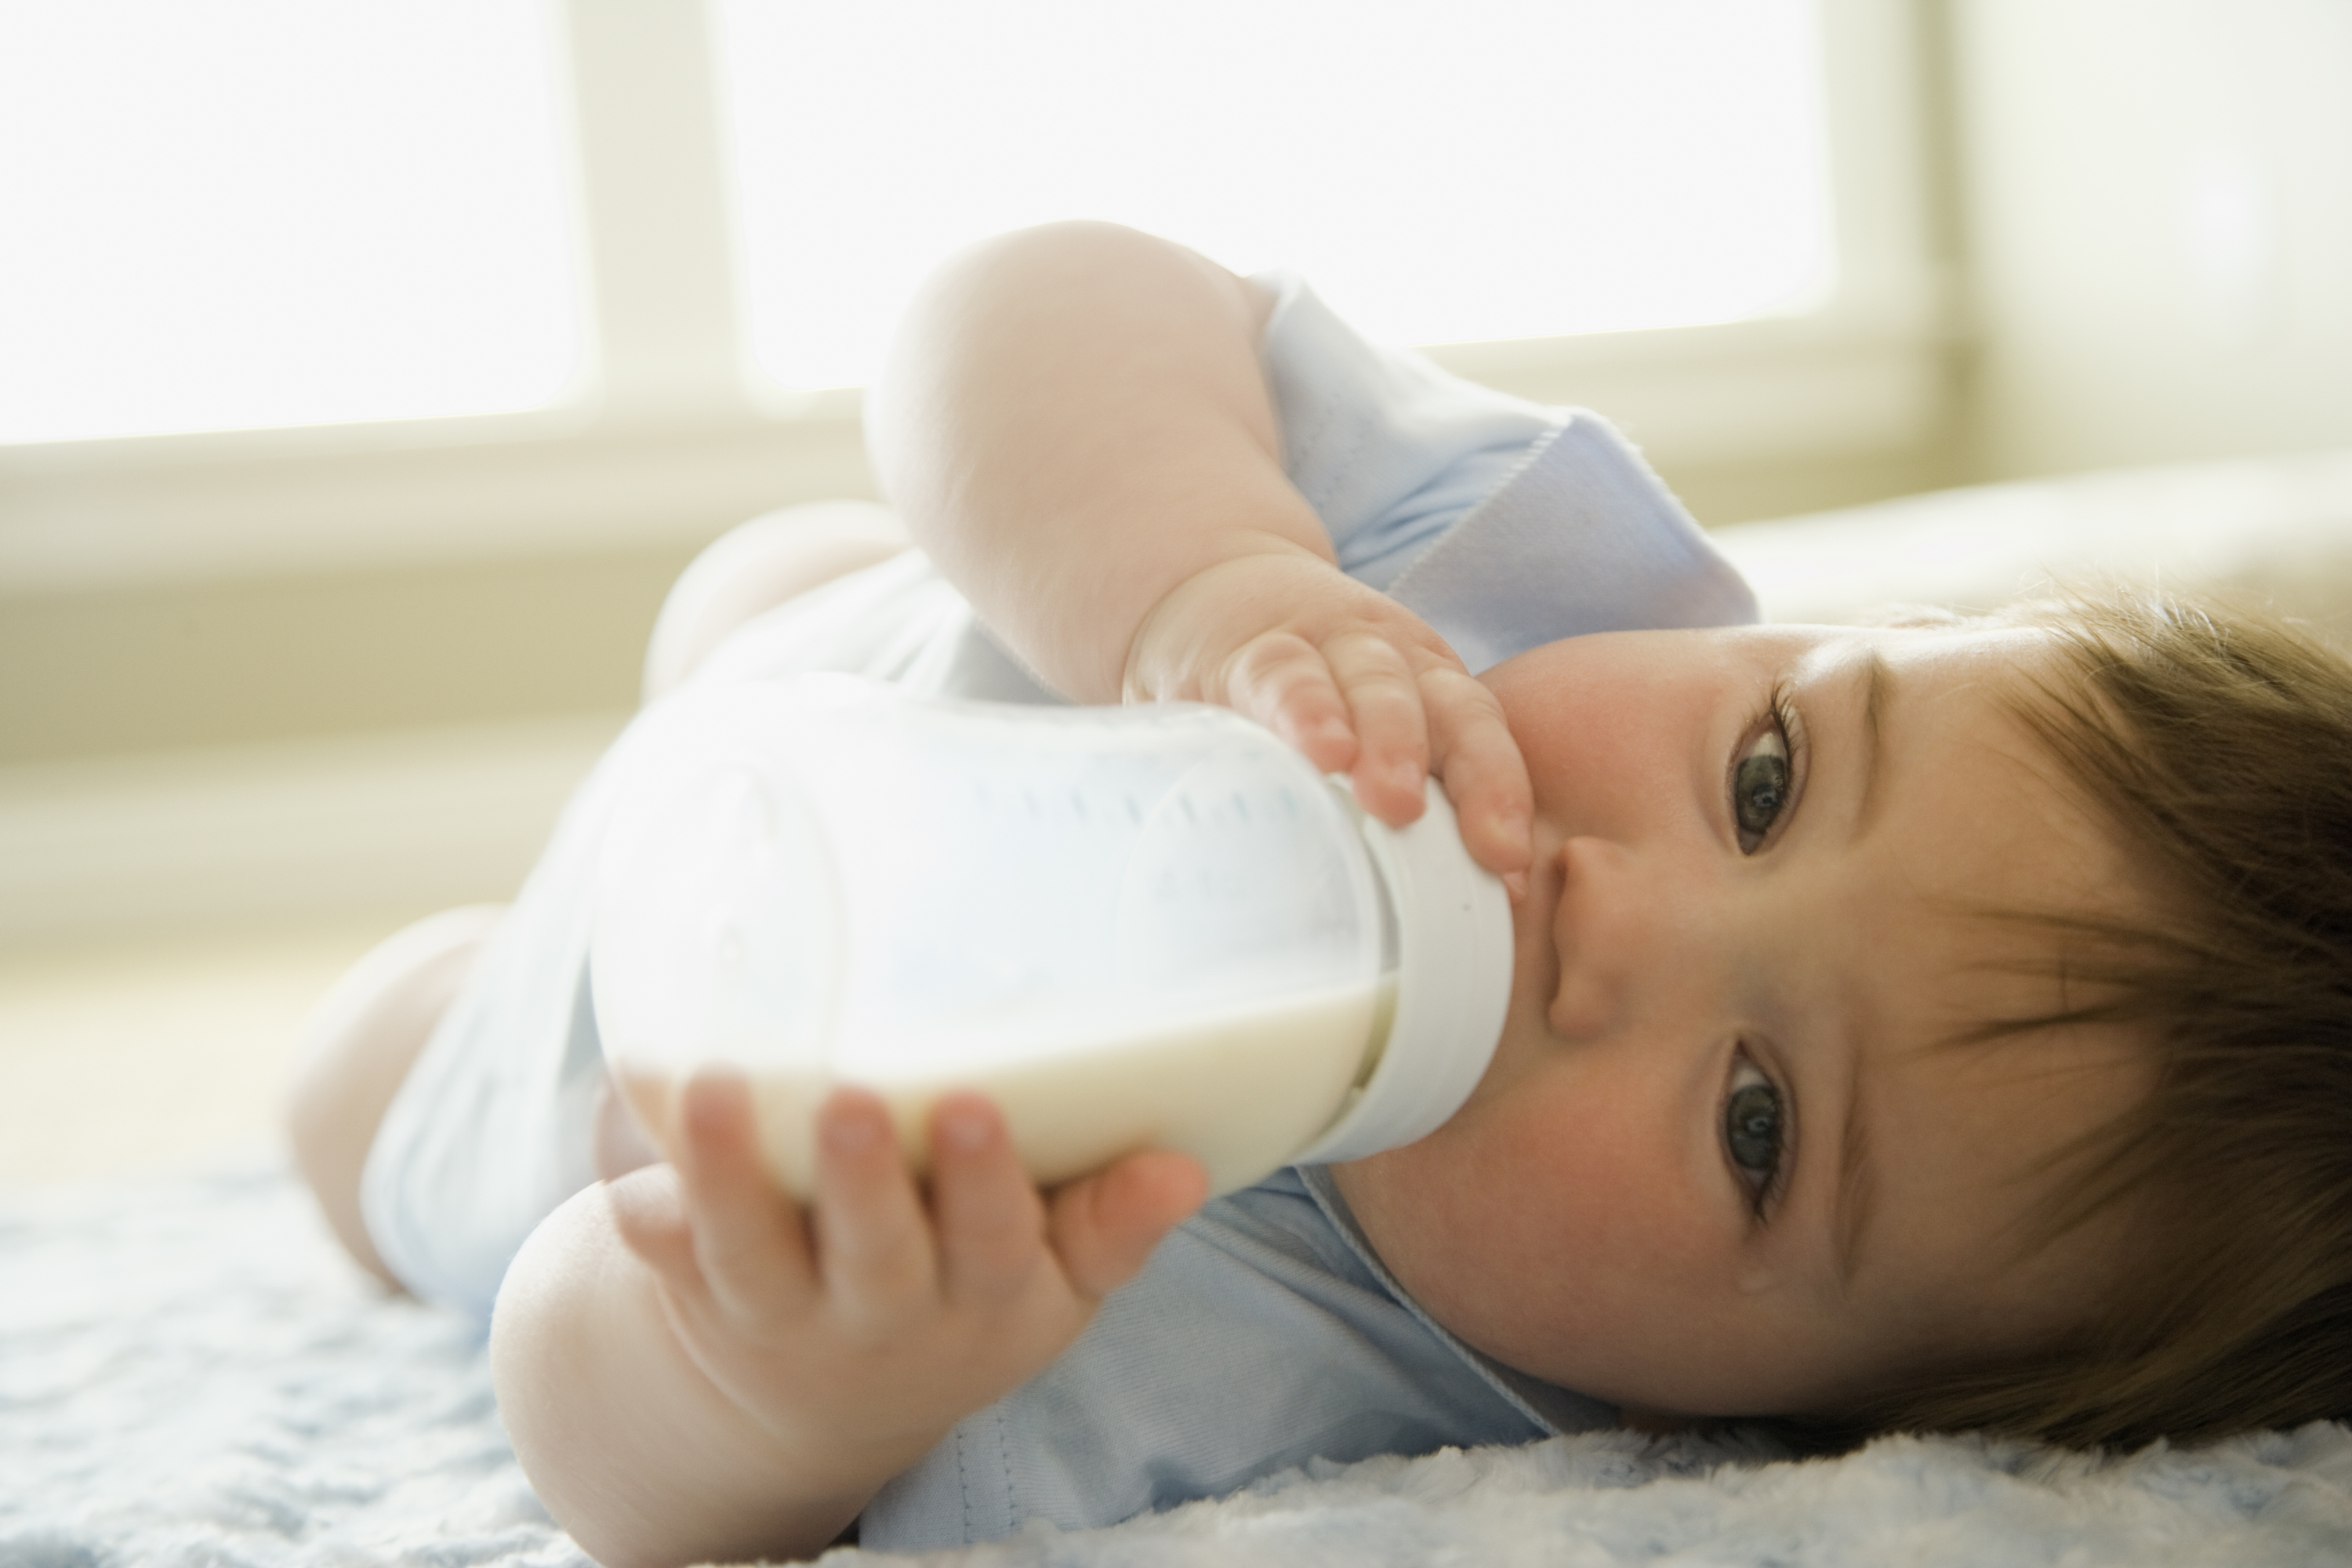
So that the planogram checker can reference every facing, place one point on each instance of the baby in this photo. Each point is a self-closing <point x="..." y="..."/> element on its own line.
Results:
<point x="1923" y="1026"/>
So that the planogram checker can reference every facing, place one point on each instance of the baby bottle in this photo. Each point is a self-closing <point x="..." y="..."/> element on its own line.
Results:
<point x="1130" y="926"/>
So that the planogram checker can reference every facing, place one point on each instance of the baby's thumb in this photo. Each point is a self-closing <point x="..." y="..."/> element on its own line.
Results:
<point x="1104" y="1229"/>
<point x="649" y="1210"/>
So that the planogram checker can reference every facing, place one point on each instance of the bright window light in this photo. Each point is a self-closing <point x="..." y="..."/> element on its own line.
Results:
<point x="247" y="213"/>
<point x="1484" y="169"/>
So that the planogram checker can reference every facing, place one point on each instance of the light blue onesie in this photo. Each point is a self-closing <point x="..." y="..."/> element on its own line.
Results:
<point x="1262" y="1333"/>
<point x="1265" y="1332"/>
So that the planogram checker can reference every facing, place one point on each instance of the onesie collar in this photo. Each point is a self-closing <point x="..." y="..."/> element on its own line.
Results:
<point x="1550" y="1406"/>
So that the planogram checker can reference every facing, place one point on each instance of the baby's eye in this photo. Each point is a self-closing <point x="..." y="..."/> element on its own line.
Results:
<point x="1760" y="787"/>
<point x="1755" y="1128"/>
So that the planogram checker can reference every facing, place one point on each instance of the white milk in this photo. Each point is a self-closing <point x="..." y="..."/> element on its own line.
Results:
<point x="1242" y="1091"/>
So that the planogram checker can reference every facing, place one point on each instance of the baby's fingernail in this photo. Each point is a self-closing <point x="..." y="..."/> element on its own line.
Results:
<point x="966" y="1129"/>
<point x="706" y="1103"/>
<point x="1405" y="775"/>
<point x="1515" y="883"/>
<point x="851" y="1131"/>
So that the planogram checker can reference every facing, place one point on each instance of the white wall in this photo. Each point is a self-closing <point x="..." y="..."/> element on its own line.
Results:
<point x="2156" y="198"/>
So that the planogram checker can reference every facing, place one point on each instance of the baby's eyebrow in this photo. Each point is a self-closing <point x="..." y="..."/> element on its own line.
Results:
<point x="1877" y="694"/>
<point x="1850" y="1211"/>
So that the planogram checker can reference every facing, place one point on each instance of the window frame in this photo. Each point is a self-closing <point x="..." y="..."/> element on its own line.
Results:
<point x="671" y="447"/>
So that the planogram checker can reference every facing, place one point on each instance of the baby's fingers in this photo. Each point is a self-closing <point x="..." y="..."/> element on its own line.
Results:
<point x="1475" y="754"/>
<point x="873" y="1237"/>
<point x="650" y="1214"/>
<point x="1392" y="730"/>
<point x="991" y="1223"/>
<point x="1283" y="681"/>
<point x="1104" y="1227"/>
<point x="748" y="1240"/>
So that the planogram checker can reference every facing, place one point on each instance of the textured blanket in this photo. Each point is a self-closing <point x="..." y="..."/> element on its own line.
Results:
<point x="190" y="1374"/>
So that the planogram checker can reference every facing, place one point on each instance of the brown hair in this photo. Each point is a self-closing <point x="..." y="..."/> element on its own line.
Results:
<point x="2216" y="743"/>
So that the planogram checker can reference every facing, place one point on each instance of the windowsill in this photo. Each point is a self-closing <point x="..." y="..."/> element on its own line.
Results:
<point x="263" y="504"/>
<point x="1837" y="386"/>
<point x="313" y="830"/>
<point x="88" y="516"/>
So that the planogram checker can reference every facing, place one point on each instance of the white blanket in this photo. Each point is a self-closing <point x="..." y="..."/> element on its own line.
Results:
<point x="191" y="1374"/>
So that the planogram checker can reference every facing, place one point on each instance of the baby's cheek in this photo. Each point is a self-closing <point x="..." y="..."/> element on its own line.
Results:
<point x="1602" y="1206"/>
<point x="1542" y="1230"/>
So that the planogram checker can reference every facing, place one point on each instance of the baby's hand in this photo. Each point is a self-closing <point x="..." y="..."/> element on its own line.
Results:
<point x="1355" y="680"/>
<point x="860" y="1330"/>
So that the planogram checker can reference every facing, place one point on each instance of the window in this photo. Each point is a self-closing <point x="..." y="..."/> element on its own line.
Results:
<point x="1499" y="169"/>
<point x="247" y="213"/>
<point x="321" y="284"/>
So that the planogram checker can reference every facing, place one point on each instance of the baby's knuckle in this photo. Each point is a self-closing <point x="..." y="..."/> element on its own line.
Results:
<point x="1287" y="656"/>
<point x="1374" y="650"/>
<point x="884" y="1324"/>
<point x="880" y="1319"/>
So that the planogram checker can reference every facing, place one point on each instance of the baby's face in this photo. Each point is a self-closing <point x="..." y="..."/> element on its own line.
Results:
<point x="1723" y="1163"/>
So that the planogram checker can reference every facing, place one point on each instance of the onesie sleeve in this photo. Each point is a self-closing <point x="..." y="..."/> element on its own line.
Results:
<point x="1388" y="448"/>
<point x="1503" y="523"/>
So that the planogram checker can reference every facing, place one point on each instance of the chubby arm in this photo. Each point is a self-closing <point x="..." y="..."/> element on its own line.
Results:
<point x="692" y="1369"/>
<point x="1072" y="421"/>
<point x="1075" y="425"/>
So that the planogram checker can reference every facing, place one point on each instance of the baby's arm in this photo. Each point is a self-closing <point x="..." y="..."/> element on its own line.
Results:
<point x="692" y="1369"/>
<point x="1075" y="425"/>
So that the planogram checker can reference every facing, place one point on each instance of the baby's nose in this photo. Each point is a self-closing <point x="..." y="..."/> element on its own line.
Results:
<point x="1609" y="930"/>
